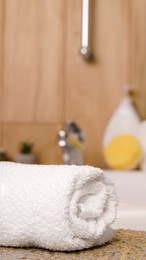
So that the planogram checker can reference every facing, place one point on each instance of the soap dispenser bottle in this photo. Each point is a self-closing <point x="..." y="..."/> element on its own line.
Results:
<point x="124" y="120"/>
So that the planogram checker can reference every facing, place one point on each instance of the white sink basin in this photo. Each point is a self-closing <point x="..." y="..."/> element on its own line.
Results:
<point x="131" y="190"/>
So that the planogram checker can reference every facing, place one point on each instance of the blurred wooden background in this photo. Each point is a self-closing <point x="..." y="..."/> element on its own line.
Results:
<point x="44" y="80"/>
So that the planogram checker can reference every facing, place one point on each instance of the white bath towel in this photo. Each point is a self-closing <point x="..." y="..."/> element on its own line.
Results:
<point x="55" y="207"/>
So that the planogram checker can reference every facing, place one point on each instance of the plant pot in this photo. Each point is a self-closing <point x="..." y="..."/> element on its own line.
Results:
<point x="29" y="158"/>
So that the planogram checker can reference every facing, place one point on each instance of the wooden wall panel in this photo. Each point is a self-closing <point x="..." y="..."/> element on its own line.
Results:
<point x="1" y="58"/>
<point x="137" y="53"/>
<point x="51" y="47"/>
<point x="43" y="136"/>
<point x="1" y="140"/>
<point x="94" y="89"/>
<point x="33" y="52"/>
<point x="1" y="65"/>
<point x="21" y="60"/>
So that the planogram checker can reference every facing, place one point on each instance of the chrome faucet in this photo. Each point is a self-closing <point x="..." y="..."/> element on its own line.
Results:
<point x="71" y="140"/>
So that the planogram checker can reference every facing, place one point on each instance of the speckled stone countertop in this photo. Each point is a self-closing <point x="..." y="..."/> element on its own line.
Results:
<point x="126" y="244"/>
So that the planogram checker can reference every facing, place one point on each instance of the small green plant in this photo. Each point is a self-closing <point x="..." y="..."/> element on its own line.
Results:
<point x="25" y="147"/>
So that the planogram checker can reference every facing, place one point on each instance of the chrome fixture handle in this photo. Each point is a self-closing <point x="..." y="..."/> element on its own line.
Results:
<point x="71" y="139"/>
<point x="85" y="50"/>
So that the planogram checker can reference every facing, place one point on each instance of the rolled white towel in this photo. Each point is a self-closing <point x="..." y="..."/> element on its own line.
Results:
<point x="55" y="207"/>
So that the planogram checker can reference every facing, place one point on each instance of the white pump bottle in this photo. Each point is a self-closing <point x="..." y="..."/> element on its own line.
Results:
<point x="124" y="120"/>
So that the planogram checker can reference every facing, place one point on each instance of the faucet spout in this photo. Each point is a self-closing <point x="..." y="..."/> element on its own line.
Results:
<point x="71" y="140"/>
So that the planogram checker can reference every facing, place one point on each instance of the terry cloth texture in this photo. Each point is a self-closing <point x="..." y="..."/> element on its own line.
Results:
<point x="126" y="245"/>
<point x="55" y="207"/>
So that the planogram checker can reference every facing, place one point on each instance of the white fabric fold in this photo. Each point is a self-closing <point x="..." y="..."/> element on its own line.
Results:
<point x="55" y="207"/>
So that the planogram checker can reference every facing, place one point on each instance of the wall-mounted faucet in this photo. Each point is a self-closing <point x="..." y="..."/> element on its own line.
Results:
<point x="71" y="140"/>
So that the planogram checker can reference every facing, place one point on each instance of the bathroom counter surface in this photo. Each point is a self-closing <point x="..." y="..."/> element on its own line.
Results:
<point x="126" y="244"/>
